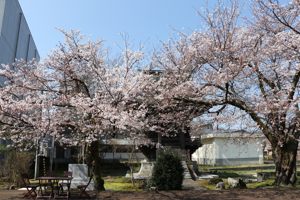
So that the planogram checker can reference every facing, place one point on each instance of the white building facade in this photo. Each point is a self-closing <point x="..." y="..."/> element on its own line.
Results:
<point x="229" y="148"/>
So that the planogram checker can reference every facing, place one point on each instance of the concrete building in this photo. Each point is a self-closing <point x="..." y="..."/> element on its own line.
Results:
<point x="121" y="150"/>
<point x="16" y="41"/>
<point x="229" y="148"/>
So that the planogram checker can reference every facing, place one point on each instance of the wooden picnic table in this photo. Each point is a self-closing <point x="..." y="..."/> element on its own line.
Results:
<point x="54" y="183"/>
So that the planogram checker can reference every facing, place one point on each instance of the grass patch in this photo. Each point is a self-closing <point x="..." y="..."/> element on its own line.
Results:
<point x="115" y="186"/>
<point x="239" y="172"/>
<point x="255" y="185"/>
<point x="244" y="173"/>
<point x="266" y="183"/>
<point x="2" y="184"/>
<point x="205" y="184"/>
<point x="117" y="179"/>
<point x="210" y="167"/>
<point x="120" y="184"/>
<point x="235" y="166"/>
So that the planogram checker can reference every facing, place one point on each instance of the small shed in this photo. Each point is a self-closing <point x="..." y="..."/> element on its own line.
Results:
<point x="229" y="148"/>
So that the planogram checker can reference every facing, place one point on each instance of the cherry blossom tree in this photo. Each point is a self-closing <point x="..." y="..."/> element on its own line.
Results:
<point x="252" y="66"/>
<point x="95" y="89"/>
<point x="22" y="103"/>
<point x="77" y="94"/>
<point x="277" y="70"/>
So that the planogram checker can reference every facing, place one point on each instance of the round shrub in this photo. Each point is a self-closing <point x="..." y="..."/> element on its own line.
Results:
<point x="167" y="172"/>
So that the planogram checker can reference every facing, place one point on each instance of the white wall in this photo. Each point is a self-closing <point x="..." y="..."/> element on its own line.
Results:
<point x="230" y="151"/>
<point x="234" y="151"/>
<point x="238" y="148"/>
<point x="206" y="154"/>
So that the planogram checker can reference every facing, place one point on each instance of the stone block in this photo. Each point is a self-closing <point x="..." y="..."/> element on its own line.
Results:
<point x="80" y="176"/>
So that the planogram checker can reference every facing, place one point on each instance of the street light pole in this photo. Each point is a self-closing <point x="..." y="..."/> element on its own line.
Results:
<point x="52" y="153"/>
<point x="36" y="159"/>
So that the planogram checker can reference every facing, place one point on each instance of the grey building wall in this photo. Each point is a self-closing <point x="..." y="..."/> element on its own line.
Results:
<point x="16" y="41"/>
<point x="2" y="4"/>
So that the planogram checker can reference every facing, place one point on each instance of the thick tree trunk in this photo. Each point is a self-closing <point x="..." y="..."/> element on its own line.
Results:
<point x="284" y="156"/>
<point x="94" y="162"/>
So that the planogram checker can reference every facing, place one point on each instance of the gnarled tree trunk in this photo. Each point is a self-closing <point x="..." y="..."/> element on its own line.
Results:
<point x="285" y="156"/>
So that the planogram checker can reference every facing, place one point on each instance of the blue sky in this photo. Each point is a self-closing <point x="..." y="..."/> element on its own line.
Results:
<point x="146" y="22"/>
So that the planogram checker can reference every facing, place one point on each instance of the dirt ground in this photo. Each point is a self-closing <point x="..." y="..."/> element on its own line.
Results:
<point x="262" y="194"/>
<point x="248" y="194"/>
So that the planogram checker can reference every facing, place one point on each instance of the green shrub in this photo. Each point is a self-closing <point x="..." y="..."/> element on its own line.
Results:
<point x="167" y="172"/>
<point x="15" y="163"/>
